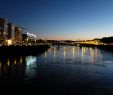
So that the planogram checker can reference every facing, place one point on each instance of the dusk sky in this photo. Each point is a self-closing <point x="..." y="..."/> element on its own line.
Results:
<point x="61" y="19"/>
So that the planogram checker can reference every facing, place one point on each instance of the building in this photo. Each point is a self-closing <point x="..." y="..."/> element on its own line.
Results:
<point x="3" y="30"/>
<point x="10" y="31"/>
<point x="11" y="34"/>
<point x="24" y="38"/>
<point x="18" y="36"/>
<point x="28" y="38"/>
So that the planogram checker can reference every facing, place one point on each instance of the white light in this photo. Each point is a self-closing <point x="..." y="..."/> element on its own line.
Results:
<point x="9" y="42"/>
<point x="31" y="35"/>
<point x="30" y="60"/>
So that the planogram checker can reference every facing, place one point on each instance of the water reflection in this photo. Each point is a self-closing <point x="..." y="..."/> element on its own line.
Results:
<point x="30" y="66"/>
<point x="25" y="67"/>
<point x="19" y="67"/>
<point x="45" y="54"/>
<point x="65" y="52"/>
<point x="73" y="51"/>
<point x="83" y="54"/>
<point x="73" y="66"/>
<point x="10" y="68"/>
<point x="54" y="51"/>
<point x="74" y="54"/>
<point x="21" y="60"/>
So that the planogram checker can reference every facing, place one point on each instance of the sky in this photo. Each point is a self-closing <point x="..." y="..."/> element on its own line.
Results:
<point x="61" y="19"/>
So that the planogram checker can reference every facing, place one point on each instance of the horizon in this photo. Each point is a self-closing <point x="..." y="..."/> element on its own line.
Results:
<point x="61" y="19"/>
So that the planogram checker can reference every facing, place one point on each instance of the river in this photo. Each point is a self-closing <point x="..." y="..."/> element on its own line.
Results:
<point x="61" y="70"/>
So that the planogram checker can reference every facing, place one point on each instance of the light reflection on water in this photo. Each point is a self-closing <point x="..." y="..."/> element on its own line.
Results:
<point x="62" y="64"/>
<point x="30" y="66"/>
<point x="19" y="67"/>
<point x="12" y="67"/>
<point x="74" y="55"/>
<point x="93" y="63"/>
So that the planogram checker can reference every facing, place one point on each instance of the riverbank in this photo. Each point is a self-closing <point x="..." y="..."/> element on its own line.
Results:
<point x="23" y="50"/>
<point x="104" y="47"/>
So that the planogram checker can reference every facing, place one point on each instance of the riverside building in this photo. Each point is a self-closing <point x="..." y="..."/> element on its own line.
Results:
<point x="11" y="34"/>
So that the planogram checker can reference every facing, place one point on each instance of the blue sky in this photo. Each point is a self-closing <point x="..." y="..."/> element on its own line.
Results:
<point x="61" y="19"/>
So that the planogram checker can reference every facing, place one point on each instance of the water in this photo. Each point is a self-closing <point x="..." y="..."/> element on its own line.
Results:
<point x="64" y="69"/>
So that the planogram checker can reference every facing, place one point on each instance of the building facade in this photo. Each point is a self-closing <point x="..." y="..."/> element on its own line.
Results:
<point x="18" y="35"/>
<point x="3" y="30"/>
<point x="10" y="31"/>
<point x="11" y="34"/>
<point x="28" y="38"/>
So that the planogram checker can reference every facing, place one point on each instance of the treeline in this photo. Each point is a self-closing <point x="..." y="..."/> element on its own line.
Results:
<point x="107" y="40"/>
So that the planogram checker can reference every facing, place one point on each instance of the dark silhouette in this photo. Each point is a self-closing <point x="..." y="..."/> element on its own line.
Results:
<point x="107" y="40"/>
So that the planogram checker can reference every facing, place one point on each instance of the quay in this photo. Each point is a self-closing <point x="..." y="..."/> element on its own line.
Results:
<point x="106" y="47"/>
<point x="23" y="49"/>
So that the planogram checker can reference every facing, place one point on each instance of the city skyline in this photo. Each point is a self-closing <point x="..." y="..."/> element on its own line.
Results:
<point x="61" y="19"/>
